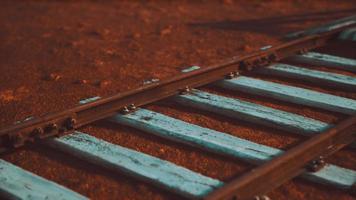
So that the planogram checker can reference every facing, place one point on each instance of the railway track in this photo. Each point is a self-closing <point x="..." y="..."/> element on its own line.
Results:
<point x="273" y="166"/>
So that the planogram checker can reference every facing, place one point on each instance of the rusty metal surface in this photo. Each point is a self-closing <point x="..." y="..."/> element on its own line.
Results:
<point x="306" y="156"/>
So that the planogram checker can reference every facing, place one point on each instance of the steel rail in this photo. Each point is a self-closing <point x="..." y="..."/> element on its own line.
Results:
<point x="60" y="123"/>
<point x="294" y="162"/>
<point x="351" y="20"/>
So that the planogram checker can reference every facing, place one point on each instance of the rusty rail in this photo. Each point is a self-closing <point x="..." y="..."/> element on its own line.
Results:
<point x="60" y="123"/>
<point x="306" y="156"/>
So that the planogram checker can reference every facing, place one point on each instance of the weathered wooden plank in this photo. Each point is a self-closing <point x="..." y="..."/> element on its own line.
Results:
<point x="315" y="58"/>
<point x="291" y="94"/>
<point x="348" y="34"/>
<point x="327" y="78"/>
<point x="222" y="143"/>
<point x="252" y="112"/>
<point x="139" y="165"/>
<point x="16" y="183"/>
<point x="180" y="131"/>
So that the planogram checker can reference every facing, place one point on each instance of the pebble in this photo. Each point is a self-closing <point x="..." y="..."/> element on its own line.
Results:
<point x="75" y="43"/>
<point x="98" y="62"/>
<point x="100" y="33"/>
<point x="136" y="35"/>
<point x="246" y="47"/>
<point x="104" y="83"/>
<point x="53" y="77"/>
<point x="82" y="81"/>
<point x="110" y="52"/>
<point x="166" y="31"/>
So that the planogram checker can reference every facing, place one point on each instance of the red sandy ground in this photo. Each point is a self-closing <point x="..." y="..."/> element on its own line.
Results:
<point x="53" y="54"/>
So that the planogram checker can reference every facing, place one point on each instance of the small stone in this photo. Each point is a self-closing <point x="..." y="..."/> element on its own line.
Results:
<point x="98" y="62"/>
<point x="136" y="35"/>
<point x="82" y="81"/>
<point x="53" y="77"/>
<point x="100" y="33"/>
<point x="110" y="52"/>
<point x="105" y="31"/>
<point x="166" y="31"/>
<point x="182" y="9"/>
<point x="144" y="16"/>
<point x="104" y="83"/>
<point x="246" y="48"/>
<point x="75" y="43"/>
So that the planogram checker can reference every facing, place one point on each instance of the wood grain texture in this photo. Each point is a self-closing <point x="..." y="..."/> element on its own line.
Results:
<point x="320" y="77"/>
<point x="142" y="166"/>
<point x="291" y="94"/>
<point x="222" y="143"/>
<point x="16" y="183"/>
<point x="251" y="112"/>
<point x="326" y="60"/>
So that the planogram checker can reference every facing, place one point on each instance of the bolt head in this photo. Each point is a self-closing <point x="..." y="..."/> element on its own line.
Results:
<point x="125" y="110"/>
<point x="37" y="131"/>
<point x="71" y="123"/>
<point x="132" y="107"/>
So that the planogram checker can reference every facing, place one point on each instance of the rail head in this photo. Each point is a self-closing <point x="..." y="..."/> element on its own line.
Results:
<point x="306" y="156"/>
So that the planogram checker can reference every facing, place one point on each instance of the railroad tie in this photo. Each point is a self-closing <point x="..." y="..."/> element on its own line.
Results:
<point x="291" y="94"/>
<point x="326" y="60"/>
<point x="136" y="164"/>
<point x="17" y="183"/>
<point x="314" y="76"/>
<point x="223" y="143"/>
<point x="253" y="113"/>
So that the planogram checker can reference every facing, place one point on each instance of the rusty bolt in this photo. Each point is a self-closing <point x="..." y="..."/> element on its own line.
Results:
<point x="125" y="110"/>
<point x="185" y="90"/>
<point x="232" y="75"/>
<point x="51" y="127"/>
<point x="71" y="123"/>
<point x="132" y="107"/>
<point x="37" y="132"/>
<point x="317" y="164"/>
